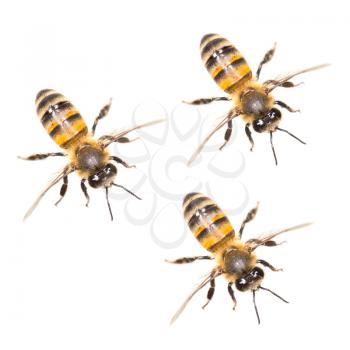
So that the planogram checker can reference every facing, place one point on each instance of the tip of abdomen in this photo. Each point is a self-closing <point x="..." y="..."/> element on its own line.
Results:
<point x="190" y="196"/>
<point x="207" y="37"/>
<point x="43" y="93"/>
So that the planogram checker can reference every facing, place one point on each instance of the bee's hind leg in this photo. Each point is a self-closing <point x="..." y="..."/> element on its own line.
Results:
<point x="40" y="156"/>
<point x="205" y="101"/>
<point x="188" y="260"/>
<point x="103" y="112"/>
<point x="267" y="58"/>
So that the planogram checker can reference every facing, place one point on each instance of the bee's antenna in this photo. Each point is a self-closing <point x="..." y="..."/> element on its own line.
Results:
<point x="289" y="133"/>
<point x="109" y="205"/>
<point x="125" y="189"/>
<point x="272" y="147"/>
<point x="276" y="295"/>
<point x="255" y="307"/>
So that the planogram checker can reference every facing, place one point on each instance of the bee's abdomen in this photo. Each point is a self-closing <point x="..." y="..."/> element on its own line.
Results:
<point x="59" y="117"/>
<point x="206" y="220"/>
<point x="224" y="62"/>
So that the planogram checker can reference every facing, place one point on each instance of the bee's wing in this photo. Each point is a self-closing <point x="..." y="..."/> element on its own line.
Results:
<point x="213" y="274"/>
<point x="230" y="115"/>
<point x="115" y="136"/>
<point x="65" y="171"/>
<point x="256" y="242"/>
<point x="278" y="81"/>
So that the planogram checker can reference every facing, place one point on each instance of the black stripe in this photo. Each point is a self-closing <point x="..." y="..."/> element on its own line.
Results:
<point x="195" y="204"/>
<point x="206" y="37"/>
<point x="223" y="72"/>
<point x="73" y="117"/>
<point x="211" y="44"/>
<point x="224" y="51"/>
<point x="60" y="106"/>
<point x="207" y="210"/>
<point x="214" y="225"/>
<point x="41" y="92"/>
<point x="45" y="102"/>
<point x="232" y="87"/>
<point x="221" y="241"/>
<point x="58" y="128"/>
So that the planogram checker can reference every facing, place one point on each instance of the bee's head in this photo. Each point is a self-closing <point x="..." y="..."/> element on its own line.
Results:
<point x="269" y="122"/>
<point x="104" y="177"/>
<point x="251" y="281"/>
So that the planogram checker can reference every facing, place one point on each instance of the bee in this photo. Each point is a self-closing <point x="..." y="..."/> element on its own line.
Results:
<point x="87" y="155"/>
<point x="235" y="260"/>
<point x="252" y="100"/>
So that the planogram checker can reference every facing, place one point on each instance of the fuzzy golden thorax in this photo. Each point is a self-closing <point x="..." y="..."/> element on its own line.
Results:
<point x="91" y="162"/>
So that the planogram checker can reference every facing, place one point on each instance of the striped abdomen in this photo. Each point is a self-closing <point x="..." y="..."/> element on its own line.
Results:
<point x="59" y="117"/>
<point x="206" y="220"/>
<point x="224" y="62"/>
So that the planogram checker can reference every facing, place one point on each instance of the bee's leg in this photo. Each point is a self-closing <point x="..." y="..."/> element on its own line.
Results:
<point x="250" y="216"/>
<point x="187" y="260"/>
<point x="40" y="156"/>
<point x="121" y="161"/>
<point x="126" y="140"/>
<point x="284" y="105"/>
<point x="228" y="134"/>
<point x="103" y="112"/>
<point x="267" y="58"/>
<point x="84" y="189"/>
<point x="266" y="264"/>
<point x="210" y="292"/>
<point x="122" y="139"/>
<point x="204" y="101"/>
<point x="285" y="84"/>
<point x="249" y="135"/>
<point x="259" y="242"/>
<point x="232" y="294"/>
<point x="63" y="188"/>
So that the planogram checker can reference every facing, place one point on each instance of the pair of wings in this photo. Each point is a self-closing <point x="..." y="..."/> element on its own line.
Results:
<point x="269" y="85"/>
<point x="217" y="271"/>
<point x="105" y="141"/>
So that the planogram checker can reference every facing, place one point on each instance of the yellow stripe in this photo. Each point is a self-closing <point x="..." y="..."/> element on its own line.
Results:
<point x="62" y="137"/>
<point x="217" y="236"/>
<point x="219" y="68"/>
<point x="227" y="81"/>
<point x="201" y="228"/>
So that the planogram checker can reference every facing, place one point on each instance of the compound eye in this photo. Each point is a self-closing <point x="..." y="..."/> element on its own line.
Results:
<point x="94" y="181"/>
<point x="110" y="169"/>
<point x="242" y="284"/>
<point x="257" y="273"/>
<point x="259" y="125"/>
<point x="273" y="114"/>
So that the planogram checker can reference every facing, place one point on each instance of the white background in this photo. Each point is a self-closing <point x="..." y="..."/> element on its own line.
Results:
<point x="70" y="278"/>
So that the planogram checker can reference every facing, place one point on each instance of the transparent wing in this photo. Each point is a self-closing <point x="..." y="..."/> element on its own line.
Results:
<point x="256" y="242"/>
<point x="229" y="116"/>
<point x="65" y="171"/>
<point x="118" y="135"/>
<point x="278" y="81"/>
<point x="213" y="274"/>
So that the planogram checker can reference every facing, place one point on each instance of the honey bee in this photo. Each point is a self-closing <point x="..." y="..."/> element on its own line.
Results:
<point x="87" y="155"/>
<point x="235" y="259"/>
<point x="252" y="100"/>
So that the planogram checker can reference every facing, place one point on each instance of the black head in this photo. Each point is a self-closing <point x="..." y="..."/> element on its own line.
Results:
<point x="104" y="177"/>
<point x="269" y="122"/>
<point x="251" y="281"/>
